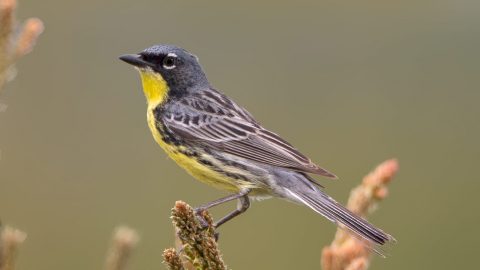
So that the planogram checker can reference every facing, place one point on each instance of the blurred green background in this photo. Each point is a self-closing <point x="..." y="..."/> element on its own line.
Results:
<point x="378" y="80"/>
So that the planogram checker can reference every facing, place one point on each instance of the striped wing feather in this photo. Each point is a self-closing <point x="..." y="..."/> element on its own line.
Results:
<point x="213" y="120"/>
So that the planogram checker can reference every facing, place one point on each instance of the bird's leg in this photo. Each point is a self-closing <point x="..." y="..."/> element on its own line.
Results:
<point x="199" y="210"/>
<point x="242" y="206"/>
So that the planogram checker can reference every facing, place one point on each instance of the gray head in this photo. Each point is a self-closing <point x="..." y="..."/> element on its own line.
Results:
<point x="179" y="68"/>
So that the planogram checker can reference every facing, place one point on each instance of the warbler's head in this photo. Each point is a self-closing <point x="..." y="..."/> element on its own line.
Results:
<point x="167" y="71"/>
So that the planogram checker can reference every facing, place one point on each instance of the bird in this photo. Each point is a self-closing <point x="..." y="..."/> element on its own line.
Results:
<point x="220" y="143"/>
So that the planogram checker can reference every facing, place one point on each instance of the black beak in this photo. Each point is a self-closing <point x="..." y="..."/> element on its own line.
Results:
<point x="135" y="60"/>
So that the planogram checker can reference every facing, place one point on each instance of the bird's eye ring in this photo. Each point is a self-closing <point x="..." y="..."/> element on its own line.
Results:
<point x="170" y="61"/>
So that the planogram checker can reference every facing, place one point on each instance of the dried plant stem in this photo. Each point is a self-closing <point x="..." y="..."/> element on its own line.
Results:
<point x="196" y="244"/>
<point x="14" y="44"/>
<point x="346" y="251"/>
<point x="124" y="240"/>
<point x="10" y="240"/>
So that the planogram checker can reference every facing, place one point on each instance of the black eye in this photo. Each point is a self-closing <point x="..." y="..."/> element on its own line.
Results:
<point x="170" y="61"/>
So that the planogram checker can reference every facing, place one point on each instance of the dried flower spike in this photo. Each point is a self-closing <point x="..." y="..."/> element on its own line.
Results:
<point x="347" y="252"/>
<point x="124" y="240"/>
<point x="32" y="28"/>
<point x="14" y="44"/>
<point x="7" y="8"/>
<point x="10" y="240"/>
<point x="197" y="243"/>
<point x="172" y="260"/>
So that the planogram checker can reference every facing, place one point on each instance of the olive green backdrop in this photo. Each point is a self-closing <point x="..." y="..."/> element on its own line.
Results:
<point x="350" y="84"/>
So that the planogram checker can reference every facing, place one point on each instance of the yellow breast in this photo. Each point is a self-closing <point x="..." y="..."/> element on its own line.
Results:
<point x="198" y="170"/>
<point x="156" y="92"/>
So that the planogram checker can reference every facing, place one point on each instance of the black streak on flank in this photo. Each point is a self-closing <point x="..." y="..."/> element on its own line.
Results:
<point x="167" y="136"/>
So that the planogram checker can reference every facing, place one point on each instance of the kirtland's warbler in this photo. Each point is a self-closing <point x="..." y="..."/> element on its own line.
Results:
<point x="221" y="144"/>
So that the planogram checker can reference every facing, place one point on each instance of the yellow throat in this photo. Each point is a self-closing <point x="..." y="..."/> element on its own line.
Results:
<point x="155" y="87"/>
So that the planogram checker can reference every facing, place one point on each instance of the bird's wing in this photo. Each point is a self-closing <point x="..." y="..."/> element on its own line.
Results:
<point x="213" y="120"/>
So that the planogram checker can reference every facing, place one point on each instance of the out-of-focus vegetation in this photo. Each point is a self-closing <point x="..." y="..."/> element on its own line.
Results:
<point x="15" y="41"/>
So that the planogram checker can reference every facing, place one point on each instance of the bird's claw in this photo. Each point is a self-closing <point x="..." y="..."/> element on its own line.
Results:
<point x="216" y="235"/>
<point x="199" y="214"/>
<point x="204" y="223"/>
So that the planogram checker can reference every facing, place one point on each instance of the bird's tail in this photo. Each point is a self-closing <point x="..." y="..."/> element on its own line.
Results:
<point x="335" y="212"/>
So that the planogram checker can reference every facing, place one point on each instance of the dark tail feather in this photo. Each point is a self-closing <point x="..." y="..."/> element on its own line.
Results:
<point x="328" y="207"/>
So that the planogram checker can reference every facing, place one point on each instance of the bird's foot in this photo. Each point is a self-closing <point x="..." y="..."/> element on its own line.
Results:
<point x="204" y="224"/>
<point x="216" y="235"/>
<point x="199" y="213"/>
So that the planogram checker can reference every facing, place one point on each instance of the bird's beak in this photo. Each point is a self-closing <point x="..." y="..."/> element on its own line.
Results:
<point x="135" y="60"/>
